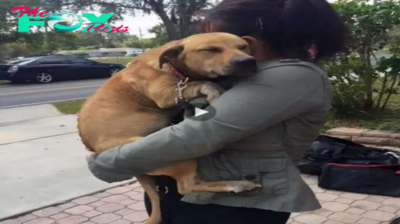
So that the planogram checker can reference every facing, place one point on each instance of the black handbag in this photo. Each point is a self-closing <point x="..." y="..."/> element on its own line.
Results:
<point x="328" y="149"/>
<point x="364" y="179"/>
<point x="344" y="165"/>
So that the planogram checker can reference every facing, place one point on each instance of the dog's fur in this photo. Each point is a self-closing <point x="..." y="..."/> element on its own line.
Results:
<point x="140" y="100"/>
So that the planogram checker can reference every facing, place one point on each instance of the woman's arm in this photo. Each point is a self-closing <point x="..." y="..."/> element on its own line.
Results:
<point x="253" y="105"/>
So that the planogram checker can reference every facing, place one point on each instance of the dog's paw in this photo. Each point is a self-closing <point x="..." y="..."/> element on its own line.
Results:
<point x="241" y="186"/>
<point x="212" y="91"/>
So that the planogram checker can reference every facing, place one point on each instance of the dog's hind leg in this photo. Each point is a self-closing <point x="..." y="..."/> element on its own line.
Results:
<point x="150" y="188"/>
<point x="192" y="183"/>
<point x="185" y="173"/>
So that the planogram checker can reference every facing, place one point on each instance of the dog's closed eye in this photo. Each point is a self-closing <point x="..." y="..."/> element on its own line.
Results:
<point x="242" y="47"/>
<point x="211" y="49"/>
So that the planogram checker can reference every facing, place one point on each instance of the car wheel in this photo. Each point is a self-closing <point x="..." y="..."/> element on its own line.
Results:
<point x="113" y="71"/>
<point x="44" y="77"/>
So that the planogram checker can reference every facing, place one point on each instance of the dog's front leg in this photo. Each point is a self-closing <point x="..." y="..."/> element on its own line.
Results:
<point x="164" y="92"/>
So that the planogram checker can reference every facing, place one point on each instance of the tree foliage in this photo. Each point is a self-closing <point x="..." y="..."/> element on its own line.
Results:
<point x="35" y="42"/>
<point x="177" y="16"/>
<point x="368" y="58"/>
<point x="8" y="19"/>
<point x="160" y="33"/>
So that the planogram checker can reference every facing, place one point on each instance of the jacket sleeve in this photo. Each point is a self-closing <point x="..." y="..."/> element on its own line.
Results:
<point x="252" y="105"/>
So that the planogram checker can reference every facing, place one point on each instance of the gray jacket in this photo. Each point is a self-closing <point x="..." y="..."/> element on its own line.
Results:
<point x="261" y="129"/>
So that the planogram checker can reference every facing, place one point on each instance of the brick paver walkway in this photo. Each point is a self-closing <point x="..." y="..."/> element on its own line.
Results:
<point x="124" y="205"/>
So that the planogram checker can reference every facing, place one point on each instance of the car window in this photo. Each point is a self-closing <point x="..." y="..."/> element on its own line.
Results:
<point x="80" y="61"/>
<point x="21" y="62"/>
<point x="54" y="61"/>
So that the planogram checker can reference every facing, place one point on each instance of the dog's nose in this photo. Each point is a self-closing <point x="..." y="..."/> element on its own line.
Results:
<point x="244" y="64"/>
<point x="244" y="61"/>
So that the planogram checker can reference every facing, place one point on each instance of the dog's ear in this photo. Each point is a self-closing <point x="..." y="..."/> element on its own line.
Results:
<point x="253" y="43"/>
<point x="170" y="54"/>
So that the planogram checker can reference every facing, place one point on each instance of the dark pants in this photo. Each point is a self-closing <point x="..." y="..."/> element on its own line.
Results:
<point x="174" y="211"/>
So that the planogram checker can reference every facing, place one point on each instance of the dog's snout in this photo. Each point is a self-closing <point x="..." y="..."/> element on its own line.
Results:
<point x="244" y="60"/>
<point x="244" y="64"/>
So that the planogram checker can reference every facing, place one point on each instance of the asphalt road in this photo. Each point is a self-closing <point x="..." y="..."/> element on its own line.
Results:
<point x="30" y="94"/>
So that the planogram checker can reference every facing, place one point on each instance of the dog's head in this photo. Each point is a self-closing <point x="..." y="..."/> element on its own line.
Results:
<point x="210" y="55"/>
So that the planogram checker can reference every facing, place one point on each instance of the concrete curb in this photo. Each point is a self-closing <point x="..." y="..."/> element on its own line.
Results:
<point x="68" y="200"/>
<point x="366" y="136"/>
<point x="26" y="120"/>
<point x="41" y="103"/>
<point x="20" y="114"/>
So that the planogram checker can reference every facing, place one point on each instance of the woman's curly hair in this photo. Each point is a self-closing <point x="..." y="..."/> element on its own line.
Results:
<point x="290" y="27"/>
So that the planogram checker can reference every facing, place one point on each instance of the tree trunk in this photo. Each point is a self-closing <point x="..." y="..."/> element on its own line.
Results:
<point x="185" y="17"/>
<point x="2" y="55"/>
<point x="390" y="92"/>
<point x="367" y="77"/>
<point x="46" y="36"/>
<point x="169" y="25"/>
<point x="382" y="92"/>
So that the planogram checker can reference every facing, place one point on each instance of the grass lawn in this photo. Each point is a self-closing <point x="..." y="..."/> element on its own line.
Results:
<point x="118" y="60"/>
<point x="4" y="83"/>
<point x="69" y="107"/>
<point x="387" y="120"/>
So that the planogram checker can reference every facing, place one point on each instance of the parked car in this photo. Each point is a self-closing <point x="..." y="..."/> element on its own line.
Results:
<point x="47" y="69"/>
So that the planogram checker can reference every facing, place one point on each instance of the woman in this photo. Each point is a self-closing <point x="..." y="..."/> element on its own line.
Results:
<point x="262" y="126"/>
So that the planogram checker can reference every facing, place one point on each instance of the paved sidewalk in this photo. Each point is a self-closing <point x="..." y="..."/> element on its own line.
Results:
<point x="124" y="205"/>
<point x="18" y="114"/>
<point x="42" y="163"/>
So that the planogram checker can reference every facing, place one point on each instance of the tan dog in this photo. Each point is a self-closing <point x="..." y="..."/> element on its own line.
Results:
<point x="141" y="99"/>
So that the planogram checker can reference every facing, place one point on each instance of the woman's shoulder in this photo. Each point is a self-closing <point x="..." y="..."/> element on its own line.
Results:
<point x="287" y="70"/>
<point x="294" y="65"/>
